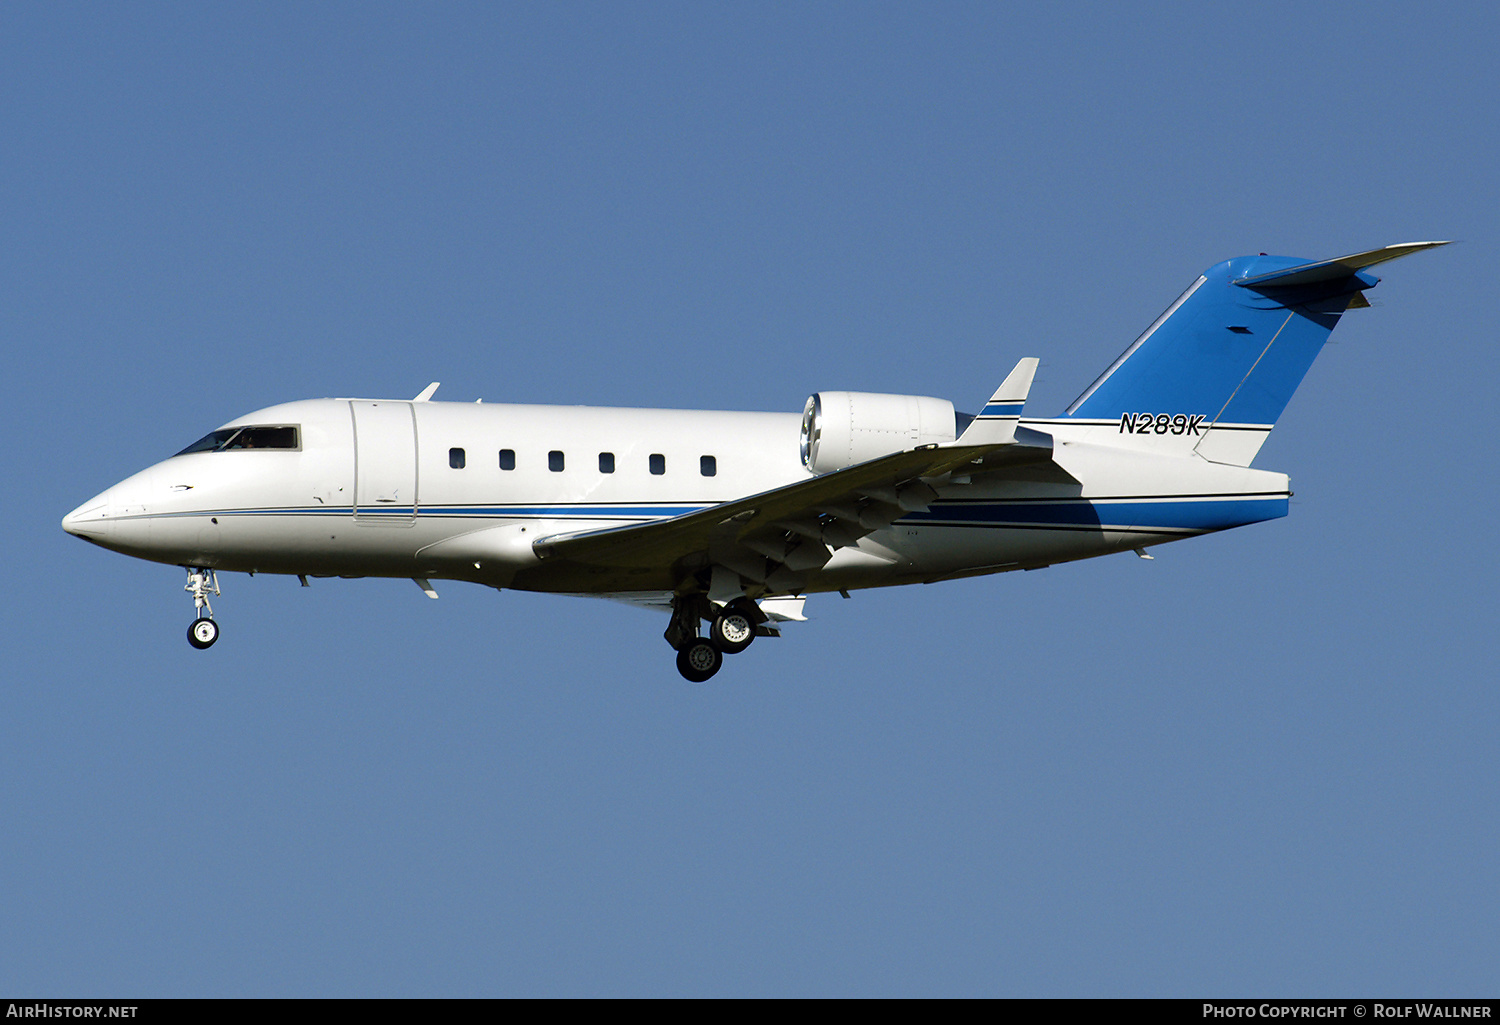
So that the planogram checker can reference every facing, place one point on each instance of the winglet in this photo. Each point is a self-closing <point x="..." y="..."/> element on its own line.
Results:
<point x="996" y="423"/>
<point x="426" y="393"/>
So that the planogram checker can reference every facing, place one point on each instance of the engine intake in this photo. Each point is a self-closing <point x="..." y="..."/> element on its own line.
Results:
<point x="841" y="428"/>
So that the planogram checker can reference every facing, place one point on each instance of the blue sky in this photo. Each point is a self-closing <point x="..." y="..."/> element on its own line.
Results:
<point x="1263" y="763"/>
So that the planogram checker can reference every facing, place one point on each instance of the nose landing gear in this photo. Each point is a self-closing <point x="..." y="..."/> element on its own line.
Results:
<point x="203" y="631"/>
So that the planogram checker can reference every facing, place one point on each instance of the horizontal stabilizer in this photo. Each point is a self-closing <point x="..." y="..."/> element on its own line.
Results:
<point x="1337" y="269"/>
<point x="996" y="423"/>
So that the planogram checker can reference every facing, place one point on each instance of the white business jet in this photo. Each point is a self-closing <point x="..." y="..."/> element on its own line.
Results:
<point x="728" y="519"/>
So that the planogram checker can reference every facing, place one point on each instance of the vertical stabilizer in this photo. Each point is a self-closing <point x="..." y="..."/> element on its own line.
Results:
<point x="1213" y="373"/>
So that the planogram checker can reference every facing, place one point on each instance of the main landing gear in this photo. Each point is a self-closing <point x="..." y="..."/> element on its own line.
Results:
<point x="203" y="631"/>
<point x="731" y="629"/>
<point x="699" y="659"/>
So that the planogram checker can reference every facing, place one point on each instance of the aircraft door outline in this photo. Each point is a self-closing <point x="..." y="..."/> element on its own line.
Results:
<point x="385" y="462"/>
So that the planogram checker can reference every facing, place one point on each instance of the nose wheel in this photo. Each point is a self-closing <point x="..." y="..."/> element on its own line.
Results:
<point x="203" y="631"/>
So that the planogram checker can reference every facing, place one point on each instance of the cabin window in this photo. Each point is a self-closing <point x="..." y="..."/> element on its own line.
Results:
<point x="555" y="461"/>
<point x="606" y="462"/>
<point x="658" y="463"/>
<point x="283" y="437"/>
<point x="708" y="466"/>
<point x="507" y="459"/>
<point x="456" y="458"/>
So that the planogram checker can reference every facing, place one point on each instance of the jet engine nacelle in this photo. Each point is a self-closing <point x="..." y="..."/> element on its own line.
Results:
<point x="841" y="428"/>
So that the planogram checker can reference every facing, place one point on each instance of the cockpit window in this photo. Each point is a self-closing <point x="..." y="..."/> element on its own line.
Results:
<point x="245" y="438"/>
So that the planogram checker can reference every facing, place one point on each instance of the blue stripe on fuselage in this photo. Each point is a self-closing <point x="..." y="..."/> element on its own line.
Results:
<point x="1187" y="514"/>
<point x="1179" y="515"/>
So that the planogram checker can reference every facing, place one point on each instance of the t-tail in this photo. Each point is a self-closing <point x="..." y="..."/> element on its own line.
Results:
<point x="1212" y="374"/>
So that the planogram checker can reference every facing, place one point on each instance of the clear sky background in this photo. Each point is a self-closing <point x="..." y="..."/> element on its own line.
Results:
<point x="1264" y="763"/>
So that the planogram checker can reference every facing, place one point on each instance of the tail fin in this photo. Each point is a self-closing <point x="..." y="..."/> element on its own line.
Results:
<point x="1217" y="368"/>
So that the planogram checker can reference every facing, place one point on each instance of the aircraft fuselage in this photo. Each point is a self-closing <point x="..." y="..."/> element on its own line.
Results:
<point x="446" y="490"/>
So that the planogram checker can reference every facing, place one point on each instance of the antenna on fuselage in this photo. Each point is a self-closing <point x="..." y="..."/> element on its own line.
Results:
<point x="426" y="393"/>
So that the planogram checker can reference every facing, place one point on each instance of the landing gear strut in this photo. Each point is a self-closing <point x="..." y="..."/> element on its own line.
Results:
<point x="203" y="631"/>
<point x="698" y="658"/>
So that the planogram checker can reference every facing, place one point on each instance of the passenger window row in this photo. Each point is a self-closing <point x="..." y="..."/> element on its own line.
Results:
<point x="708" y="466"/>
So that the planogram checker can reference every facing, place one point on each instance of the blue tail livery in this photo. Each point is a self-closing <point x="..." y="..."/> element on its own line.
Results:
<point x="1229" y="353"/>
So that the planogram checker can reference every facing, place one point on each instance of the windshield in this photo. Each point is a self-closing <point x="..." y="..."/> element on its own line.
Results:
<point x="245" y="437"/>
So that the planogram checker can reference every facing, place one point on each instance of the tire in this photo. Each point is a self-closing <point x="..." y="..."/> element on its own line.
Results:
<point x="698" y="660"/>
<point x="732" y="631"/>
<point x="202" y="633"/>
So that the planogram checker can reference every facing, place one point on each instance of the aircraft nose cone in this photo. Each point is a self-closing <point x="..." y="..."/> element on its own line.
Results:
<point x="90" y="520"/>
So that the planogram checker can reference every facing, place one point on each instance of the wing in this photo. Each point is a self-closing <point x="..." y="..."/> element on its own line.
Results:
<point x="775" y="538"/>
<point x="769" y="543"/>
